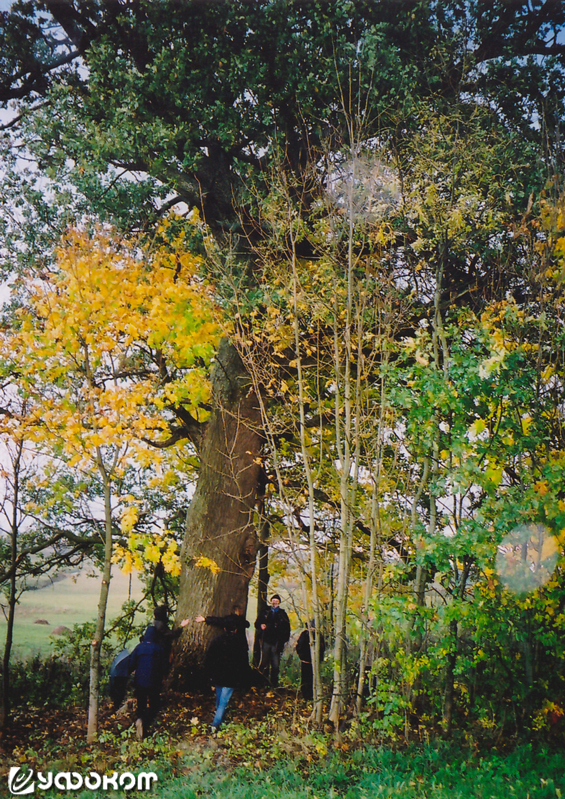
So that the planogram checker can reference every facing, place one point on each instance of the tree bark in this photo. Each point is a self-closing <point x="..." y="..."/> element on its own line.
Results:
<point x="220" y="524"/>
<point x="12" y="596"/>
<point x="263" y="578"/>
<point x="449" y="692"/>
<point x="96" y="645"/>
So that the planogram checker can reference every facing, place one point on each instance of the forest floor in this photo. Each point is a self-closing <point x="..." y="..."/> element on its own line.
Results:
<point x="269" y="750"/>
<point x="55" y="738"/>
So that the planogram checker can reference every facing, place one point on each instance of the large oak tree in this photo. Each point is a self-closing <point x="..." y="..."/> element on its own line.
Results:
<point x="138" y="104"/>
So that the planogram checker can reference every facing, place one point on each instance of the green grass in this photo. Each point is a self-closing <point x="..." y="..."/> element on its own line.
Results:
<point x="70" y="600"/>
<point x="383" y="773"/>
<point x="440" y="771"/>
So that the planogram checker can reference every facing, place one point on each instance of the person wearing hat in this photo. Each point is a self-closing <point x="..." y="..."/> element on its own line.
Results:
<point x="273" y="629"/>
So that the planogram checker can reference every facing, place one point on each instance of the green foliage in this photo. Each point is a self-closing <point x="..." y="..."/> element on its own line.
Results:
<point x="199" y="97"/>
<point x="441" y="305"/>
<point x="439" y="770"/>
<point x="59" y="680"/>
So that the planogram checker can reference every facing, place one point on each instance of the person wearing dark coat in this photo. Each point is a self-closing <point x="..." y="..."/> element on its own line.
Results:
<point x="236" y="617"/>
<point x="304" y="652"/>
<point x="273" y="629"/>
<point x="227" y="666"/>
<point x="149" y="662"/>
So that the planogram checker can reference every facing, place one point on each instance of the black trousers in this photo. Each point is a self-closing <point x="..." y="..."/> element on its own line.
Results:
<point x="306" y="680"/>
<point x="118" y="688"/>
<point x="270" y="662"/>
<point x="148" y="703"/>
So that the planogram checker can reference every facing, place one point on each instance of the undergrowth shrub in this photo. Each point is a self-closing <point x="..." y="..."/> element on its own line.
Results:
<point x="60" y="679"/>
<point x="48" y="681"/>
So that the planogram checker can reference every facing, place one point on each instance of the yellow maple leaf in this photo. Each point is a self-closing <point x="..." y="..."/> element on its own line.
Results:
<point x="207" y="563"/>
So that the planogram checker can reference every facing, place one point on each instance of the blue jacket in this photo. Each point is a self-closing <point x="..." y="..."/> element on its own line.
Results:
<point x="148" y="660"/>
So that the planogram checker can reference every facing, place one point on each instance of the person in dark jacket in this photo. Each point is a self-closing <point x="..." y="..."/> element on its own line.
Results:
<point x="165" y="636"/>
<point x="273" y="629"/>
<point x="227" y="666"/>
<point x="148" y="661"/>
<point x="304" y="652"/>
<point x="237" y="616"/>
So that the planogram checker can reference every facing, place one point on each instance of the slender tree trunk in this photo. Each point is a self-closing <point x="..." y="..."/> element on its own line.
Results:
<point x="345" y="403"/>
<point x="5" y="707"/>
<point x="421" y="573"/>
<point x="220" y="519"/>
<point x="12" y="596"/>
<point x="96" y="646"/>
<point x="449" y="693"/>
<point x="375" y="533"/>
<point x="367" y="593"/>
<point x="315" y="641"/>
<point x="263" y="577"/>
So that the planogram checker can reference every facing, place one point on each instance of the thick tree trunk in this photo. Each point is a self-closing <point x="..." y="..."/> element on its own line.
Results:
<point x="220" y="523"/>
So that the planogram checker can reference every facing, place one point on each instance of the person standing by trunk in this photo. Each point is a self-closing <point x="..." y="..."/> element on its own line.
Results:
<point x="165" y="636"/>
<point x="273" y="629"/>
<point x="227" y="665"/>
<point x="304" y="652"/>
<point x="237" y="616"/>
<point x="149" y="662"/>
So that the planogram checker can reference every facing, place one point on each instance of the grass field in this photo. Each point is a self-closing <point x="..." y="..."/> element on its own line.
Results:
<point x="436" y="771"/>
<point x="73" y="599"/>
<point x="415" y="773"/>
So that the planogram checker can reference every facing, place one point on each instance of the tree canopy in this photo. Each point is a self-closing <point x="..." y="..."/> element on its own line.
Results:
<point x="199" y="96"/>
<point x="379" y="194"/>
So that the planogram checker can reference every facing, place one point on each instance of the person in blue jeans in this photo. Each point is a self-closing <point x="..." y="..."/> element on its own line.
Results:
<point x="227" y="666"/>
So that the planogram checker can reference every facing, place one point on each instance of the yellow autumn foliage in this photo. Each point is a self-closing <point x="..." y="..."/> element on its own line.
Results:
<point x="207" y="563"/>
<point x="145" y="550"/>
<point x="105" y="346"/>
<point x="93" y="344"/>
